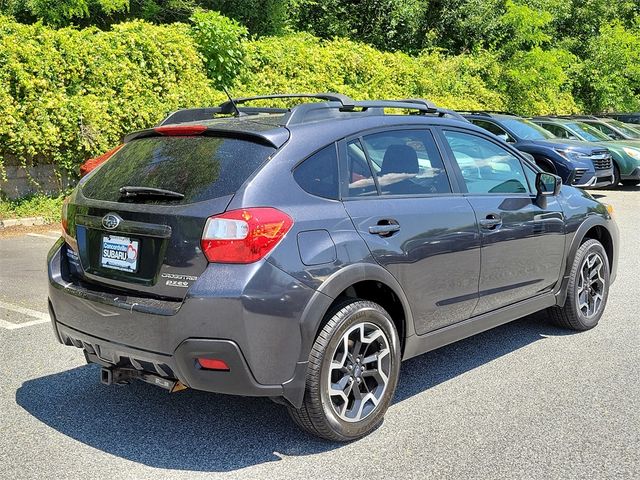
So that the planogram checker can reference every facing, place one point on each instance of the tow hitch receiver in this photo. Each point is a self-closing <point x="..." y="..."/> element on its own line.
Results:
<point x="123" y="376"/>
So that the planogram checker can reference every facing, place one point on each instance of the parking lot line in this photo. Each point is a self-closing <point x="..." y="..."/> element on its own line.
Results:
<point x="40" y="235"/>
<point x="38" y="316"/>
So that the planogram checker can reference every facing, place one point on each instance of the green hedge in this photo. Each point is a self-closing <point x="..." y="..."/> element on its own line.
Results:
<point x="67" y="95"/>
<point x="303" y="63"/>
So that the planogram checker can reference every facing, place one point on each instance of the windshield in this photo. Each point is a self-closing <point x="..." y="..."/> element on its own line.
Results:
<point x="587" y="132"/>
<point x="526" y="130"/>
<point x="624" y="128"/>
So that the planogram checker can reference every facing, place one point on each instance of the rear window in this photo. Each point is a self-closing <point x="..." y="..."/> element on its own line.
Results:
<point x="201" y="168"/>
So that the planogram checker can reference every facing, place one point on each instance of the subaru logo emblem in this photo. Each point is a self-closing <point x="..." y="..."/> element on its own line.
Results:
<point x="111" y="221"/>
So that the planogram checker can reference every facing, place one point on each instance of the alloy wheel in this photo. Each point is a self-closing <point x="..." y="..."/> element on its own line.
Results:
<point x="591" y="285"/>
<point x="359" y="371"/>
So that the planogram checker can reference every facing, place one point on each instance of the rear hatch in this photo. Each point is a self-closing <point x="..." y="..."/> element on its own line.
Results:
<point x="146" y="238"/>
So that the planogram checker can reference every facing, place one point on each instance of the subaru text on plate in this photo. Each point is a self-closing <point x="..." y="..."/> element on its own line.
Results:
<point x="302" y="253"/>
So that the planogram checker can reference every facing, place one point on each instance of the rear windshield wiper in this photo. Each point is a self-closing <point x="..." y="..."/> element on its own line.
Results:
<point x="131" y="192"/>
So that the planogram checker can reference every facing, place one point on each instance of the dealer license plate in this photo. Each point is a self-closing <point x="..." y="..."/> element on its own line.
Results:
<point x="120" y="253"/>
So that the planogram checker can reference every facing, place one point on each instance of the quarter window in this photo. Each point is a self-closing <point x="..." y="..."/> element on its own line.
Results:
<point x="485" y="166"/>
<point x="318" y="174"/>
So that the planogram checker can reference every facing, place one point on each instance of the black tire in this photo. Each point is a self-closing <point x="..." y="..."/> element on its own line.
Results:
<point x="630" y="183"/>
<point x="570" y="315"/>
<point x="318" y="414"/>
<point x="616" y="177"/>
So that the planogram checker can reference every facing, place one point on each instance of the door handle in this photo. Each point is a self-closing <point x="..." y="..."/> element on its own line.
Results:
<point x="491" y="221"/>
<point x="384" y="228"/>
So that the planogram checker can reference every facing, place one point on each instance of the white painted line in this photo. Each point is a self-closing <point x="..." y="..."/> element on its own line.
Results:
<point x="38" y="316"/>
<point x="25" y="311"/>
<point x="15" y="326"/>
<point x="39" y="235"/>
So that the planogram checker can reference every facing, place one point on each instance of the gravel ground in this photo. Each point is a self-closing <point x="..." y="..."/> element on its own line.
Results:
<point x="526" y="400"/>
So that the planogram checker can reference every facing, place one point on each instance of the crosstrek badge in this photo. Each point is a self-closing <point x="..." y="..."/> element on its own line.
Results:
<point x="119" y="253"/>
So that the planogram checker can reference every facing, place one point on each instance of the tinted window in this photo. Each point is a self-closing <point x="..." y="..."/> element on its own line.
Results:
<point x="627" y="130"/>
<point x="525" y="129"/>
<point x="318" y="174"/>
<point x="611" y="133"/>
<point x="557" y="130"/>
<point x="587" y="132"/>
<point x="493" y="128"/>
<point x="406" y="162"/>
<point x="486" y="167"/>
<point x="361" y="182"/>
<point x="201" y="168"/>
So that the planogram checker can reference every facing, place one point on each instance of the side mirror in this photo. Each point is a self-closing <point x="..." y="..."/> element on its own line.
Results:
<point x="612" y="136"/>
<point x="548" y="184"/>
<point x="503" y="136"/>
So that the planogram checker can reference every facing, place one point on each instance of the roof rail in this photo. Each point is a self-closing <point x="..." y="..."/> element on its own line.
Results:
<point x="335" y="106"/>
<point x="487" y="113"/>
<point x="330" y="97"/>
<point x="583" y="117"/>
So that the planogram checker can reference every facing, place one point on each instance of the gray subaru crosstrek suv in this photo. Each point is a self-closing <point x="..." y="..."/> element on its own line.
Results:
<point x="302" y="253"/>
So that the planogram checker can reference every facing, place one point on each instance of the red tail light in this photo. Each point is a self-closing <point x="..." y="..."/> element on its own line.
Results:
<point x="93" y="163"/>
<point x="244" y="236"/>
<point x="180" y="130"/>
<point x="213" y="364"/>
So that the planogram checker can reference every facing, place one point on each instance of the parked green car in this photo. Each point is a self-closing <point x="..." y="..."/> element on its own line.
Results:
<point x="625" y="153"/>
<point x="611" y="127"/>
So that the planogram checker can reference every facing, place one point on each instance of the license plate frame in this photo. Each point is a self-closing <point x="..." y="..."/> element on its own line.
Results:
<point x="120" y="253"/>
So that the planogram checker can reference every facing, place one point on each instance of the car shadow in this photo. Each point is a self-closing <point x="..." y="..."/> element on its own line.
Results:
<point x="604" y="192"/>
<point x="198" y="431"/>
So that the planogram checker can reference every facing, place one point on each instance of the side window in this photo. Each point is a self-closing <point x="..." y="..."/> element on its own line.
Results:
<point x="485" y="166"/>
<point x="495" y="129"/>
<point x="406" y="162"/>
<point x="361" y="182"/>
<point x="556" y="130"/>
<point x="606" y="130"/>
<point x="318" y="174"/>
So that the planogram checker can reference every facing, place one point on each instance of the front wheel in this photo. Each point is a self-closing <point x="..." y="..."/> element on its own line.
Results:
<point x="352" y="374"/>
<point x="588" y="289"/>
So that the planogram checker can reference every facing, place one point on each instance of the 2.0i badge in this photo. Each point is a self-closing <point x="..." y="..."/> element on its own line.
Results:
<point x="177" y="280"/>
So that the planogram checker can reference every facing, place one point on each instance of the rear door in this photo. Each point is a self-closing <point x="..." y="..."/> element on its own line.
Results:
<point x="150" y="243"/>
<point x="522" y="238"/>
<point x="398" y="194"/>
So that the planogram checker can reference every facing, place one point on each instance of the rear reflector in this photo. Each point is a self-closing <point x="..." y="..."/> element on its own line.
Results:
<point x="244" y="236"/>
<point x="213" y="364"/>
<point x="180" y="130"/>
<point x="64" y="216"/>
<point x="93" y="163"/>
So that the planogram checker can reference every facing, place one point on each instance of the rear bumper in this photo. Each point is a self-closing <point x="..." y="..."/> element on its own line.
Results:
<point x="257" y="333"/>
<point x="634" y="175"/>
<point x="181" y="365"/>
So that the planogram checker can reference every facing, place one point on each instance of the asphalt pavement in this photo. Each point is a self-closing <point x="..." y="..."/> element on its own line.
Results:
<point x="525" y="400"/>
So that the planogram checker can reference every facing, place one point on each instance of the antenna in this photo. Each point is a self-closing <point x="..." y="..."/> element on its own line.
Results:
<point x="235" y="107"/>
